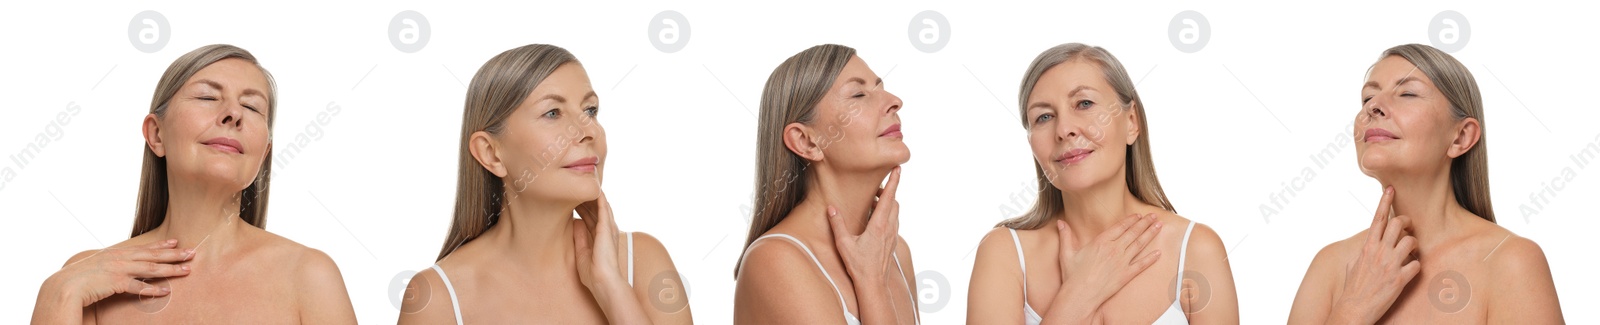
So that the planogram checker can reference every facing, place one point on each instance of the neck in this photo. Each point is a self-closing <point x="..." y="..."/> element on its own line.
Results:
<point x="853" y="195"/>
<point x="534" y="229"/>
<point x="197" y="216"/>
<point x="1427" y="200"/>
<point x="1092" y="210"/>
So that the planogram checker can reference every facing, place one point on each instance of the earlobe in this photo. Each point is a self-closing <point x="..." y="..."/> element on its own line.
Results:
<point x="152" y="135"/>
<point x="797" y="138"/>
<point x="484" y="150"/>
<point x="1468" y="133"/>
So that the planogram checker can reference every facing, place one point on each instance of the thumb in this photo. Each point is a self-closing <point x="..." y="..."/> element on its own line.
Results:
<point x="1066" y="240"/>
<point x="836" y="223"/>
<point x="580" y="241"/>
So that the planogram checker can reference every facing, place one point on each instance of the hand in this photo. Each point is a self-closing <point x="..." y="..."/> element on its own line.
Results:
<point x="867" y="255"/>
<point x="1374" y="280"/>
<point x="1107" y="264"/>
<point x="109" y="272"/>
<point x="597" y="235"/>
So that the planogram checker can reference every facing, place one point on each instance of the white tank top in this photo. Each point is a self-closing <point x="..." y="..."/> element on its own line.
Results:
<point x="849" y="318"/>
<point x="1173" y="315"/>
<point x="455" y="304"/>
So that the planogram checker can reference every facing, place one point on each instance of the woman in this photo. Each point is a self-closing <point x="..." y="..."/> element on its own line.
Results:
<point x="823" y="246"/>
<point x="1074" y="258"/>
<point x="532" y="153"/>
<point x="1420" y="133"/>
<point x="198" y="251"/>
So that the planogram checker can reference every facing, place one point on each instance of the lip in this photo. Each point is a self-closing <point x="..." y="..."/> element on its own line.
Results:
<point x="225" y="144"/>
<point x="1074" y="156"/>
<point x="584" y="165"/>
<point x="1378" y="135"/>
<point x="892" y="132"/>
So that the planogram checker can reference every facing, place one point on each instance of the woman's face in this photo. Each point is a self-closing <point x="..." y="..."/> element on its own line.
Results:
<point x="1078" y="127"/>
<point x="551" y="146"/>
<point x="857" y="123"/>
<point x="1404" y="124"/>
<point x="215" y="127"/>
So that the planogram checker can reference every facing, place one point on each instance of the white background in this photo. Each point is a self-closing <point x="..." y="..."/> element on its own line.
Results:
<point x="1230" y="125"/>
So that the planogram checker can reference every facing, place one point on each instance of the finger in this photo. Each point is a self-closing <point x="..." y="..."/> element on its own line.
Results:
<point x="1381" y="216"/>
<point x="1391" y="234"/>
<point x="170" y="243"/>
<point x="893" y="186"/>
<point x="1117" y="230"/>
<point x="1403" y="249"/>
<point x="144" y="289"/>
<point x="837" y="224"/>
<point x="147" y="270"/>
<point x="1066" y="240"/>
<point x="606" y="220"/>
<point x="1410" y="271"/>
<point x="580" y="240"/>
<point x="1138" y="265"/>
<point x="1144" y="239"/>
<point x="1139" y="228"/>
<point x="160" y="255"/>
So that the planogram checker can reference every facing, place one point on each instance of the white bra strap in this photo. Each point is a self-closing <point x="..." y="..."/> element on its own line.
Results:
<point x="452" y="289"/>
<point x="915" y="309"/>
<point x="815" y="261"/>
<point x="630" y="259"/>
<point x="1183" y="254"/>
<point x="1021" y="262"/>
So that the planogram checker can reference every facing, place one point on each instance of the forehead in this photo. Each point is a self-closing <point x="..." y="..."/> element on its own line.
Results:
<point x="234" y="73"/>
<point x="1391" y="69"/>
<point x="568" y="78"/>
<point x="855" y="68"/>
<point x="1069" y="75"/>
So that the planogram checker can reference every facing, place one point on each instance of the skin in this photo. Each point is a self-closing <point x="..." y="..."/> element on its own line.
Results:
<point x="1095" y="264"/>
<point x="208" y="265"/>
<point x="846" y="219"/>
<point x="578" y="267"/>
<point x="1383" y="274"/>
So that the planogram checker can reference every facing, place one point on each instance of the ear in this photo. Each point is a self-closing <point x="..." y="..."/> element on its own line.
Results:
<point x="1468" y="132"/>
<point x="152" y="135"/>
<point x="1133" y="123"/>
<point x="485" y="149"/>
<point x="798" y="138"/>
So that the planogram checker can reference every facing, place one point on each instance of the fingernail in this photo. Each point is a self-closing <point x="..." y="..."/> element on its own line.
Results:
<point x="172" y="241"/>
<point x="184" y="267"/>
<point x="166" y="290"/>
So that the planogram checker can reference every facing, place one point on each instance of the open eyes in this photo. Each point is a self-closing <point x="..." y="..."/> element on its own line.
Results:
<point x="554" y="113"/>
<point x="1046" y="117"/>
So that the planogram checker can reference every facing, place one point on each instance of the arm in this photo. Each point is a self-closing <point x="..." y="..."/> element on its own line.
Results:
<point x="1531" y="297"/>
<point x="1208" y="258"/>
<point x="323" y="299"/>
<point x="994" y="295"/>
<point x="778" y="284"/>
<point x="1314" y="300"/>
<point x="426" y="301"/>
<point x="909" y="272"/>
<point x="91" y="276"/>
<point x="656" y="283"/>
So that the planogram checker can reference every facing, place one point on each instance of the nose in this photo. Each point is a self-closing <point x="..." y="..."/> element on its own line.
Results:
<point x="894" y="104"/>
<point x="1067" y="131"/>
<point x="1375" y="107"/>
<point x="233" y="114"/>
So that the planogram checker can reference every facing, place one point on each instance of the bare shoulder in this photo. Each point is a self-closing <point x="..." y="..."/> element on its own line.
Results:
<point x="651" y="259"/>
<point x="996" y="250"/>
<point x="779" y="282"/>
<point x="427" y="300"/>
<point x="1513" y="257"/>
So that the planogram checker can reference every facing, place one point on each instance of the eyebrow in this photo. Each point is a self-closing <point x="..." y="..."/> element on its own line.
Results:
<point x="1070" y="93"/>
<point x="863" y="81"/>
<point x="560" y="99"/>
<point x="218" y="86"/>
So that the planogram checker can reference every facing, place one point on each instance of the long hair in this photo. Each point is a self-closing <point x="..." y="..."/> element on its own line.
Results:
<point x="152" y="208"/>
<point x="791" y="95"/>
<point x="496" y="90"/>
<point x="1469" y="173"/>
<point x="1141" y="171"/>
